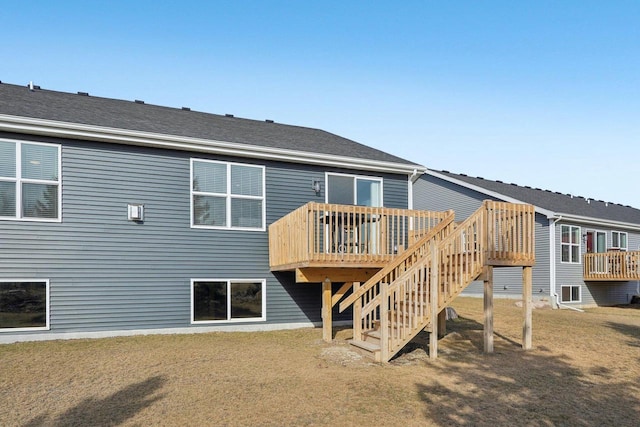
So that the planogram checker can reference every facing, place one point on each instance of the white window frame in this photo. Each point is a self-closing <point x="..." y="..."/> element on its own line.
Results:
<point x="229" y="196"/>
<point x="578" y="244"/>
<point x="619" y="234"/>
<point x="47" y="310"/>
<point x="571" y="287"/>
<point x="262" y="318"/>
<point x="18" y="181"/>
<point x="355" y="185"/>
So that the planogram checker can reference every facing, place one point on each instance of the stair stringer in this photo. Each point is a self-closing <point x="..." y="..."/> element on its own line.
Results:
<point x="403" y="307"/>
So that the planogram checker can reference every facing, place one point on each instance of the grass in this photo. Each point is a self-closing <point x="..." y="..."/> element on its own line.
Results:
<point x="584" y="370"/>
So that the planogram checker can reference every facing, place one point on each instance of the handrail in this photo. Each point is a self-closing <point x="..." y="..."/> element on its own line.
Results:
<point x="459" y="259"/>
<point x="402" y="262"/>
<point x="612" y="265"/>
<point x="348" y="235"/>
<point x="497" y="233"/>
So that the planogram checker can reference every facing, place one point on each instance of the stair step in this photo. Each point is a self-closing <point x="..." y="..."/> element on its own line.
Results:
<point x="367" y="349"/>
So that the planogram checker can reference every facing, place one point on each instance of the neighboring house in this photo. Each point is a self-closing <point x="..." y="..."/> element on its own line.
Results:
<point x="120" y="217"/>
<point x="586" y="250"/>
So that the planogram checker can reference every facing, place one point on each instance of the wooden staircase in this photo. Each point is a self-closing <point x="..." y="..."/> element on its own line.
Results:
<point x="401" y="300"/>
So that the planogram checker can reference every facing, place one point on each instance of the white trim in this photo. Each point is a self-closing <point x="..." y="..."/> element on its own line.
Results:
<point x="47" y="309"/>
<point x="599" y="222"/>
<point x="262" y="318"/>
<point x="552" y="257"/>
<point x="228" y="195"/>
<point x="59" y="129"/>
<point x="18" y="180"/>
<point x="255" y="327"/>
<point x="355" y="185"/>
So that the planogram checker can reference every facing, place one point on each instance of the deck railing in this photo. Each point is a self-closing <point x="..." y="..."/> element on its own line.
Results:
<point x="398" y="300"/>
<point x="324" y="235"/>
<point x="612" y="266"/>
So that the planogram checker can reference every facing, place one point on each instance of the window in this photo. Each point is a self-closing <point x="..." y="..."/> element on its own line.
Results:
<point x="354" y="190"/>
<point x="24" y="305"/>
<point x="215" y="301"/>
<point x="227" y="195"/>
<point x="570" y="293"/>
<point x="570" y="244"/>
<point x="29" y="181"/>
<point x="619" y="240"/>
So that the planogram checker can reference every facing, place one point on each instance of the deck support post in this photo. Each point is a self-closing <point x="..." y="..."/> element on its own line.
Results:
<point x="527" y="304"/>
<point x="433" y="291"/>
<point x="327" y="333"/>
<point x="442" y="323"/>
<point x="488" y="308"/>
<point x="357" y="314"/>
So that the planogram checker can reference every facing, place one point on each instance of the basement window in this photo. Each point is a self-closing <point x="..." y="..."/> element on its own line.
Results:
<point x="570" y="293"/>
<point x="214" y="300"/>
<point x="24" y="305"/>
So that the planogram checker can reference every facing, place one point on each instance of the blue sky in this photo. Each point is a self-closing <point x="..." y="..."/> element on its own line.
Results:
<point x="544" y="93"/>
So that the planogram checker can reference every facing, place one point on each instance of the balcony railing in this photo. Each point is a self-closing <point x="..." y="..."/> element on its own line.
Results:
<point x="330" y="235"/>
<point x="612" y="266"/>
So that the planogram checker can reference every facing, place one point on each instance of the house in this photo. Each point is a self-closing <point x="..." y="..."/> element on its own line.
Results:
<point x="119" y="217"/>
<point x="586" y="250"/>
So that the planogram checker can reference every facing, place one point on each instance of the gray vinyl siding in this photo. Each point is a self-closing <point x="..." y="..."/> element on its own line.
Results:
<point x="108" y="274"/>
<point x="593" y="293"/>
<point x="433" y="193"/>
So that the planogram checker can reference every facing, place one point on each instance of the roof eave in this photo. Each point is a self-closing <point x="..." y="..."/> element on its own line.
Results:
<point x="538" y="209"/>
<point x="53" y="128"/>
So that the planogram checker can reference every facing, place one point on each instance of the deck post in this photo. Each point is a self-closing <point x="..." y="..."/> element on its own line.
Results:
<point x="488" y="308"/>
<point x="442" y="323"/>
<point x="327" y="333"/>
<point x="527" y="303"/>
<point x="357" y="314"/>
<point x="433" y="291"/>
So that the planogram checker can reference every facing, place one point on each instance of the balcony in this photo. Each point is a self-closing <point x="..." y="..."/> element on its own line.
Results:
<point x="320" y="235"/>
<point x="612" y="266"/>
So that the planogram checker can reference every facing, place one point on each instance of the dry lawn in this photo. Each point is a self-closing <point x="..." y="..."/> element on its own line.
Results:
<point x="584" y="370"/>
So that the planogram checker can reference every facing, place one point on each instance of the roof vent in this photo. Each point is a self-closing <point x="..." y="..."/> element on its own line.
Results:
<point x="137" y="101"/>
<point x="462" y="174"/>
<point x="30" y="86"/>
<point x="499" y="181"/>
<point x="446" y="171"/>
<point x="83" y="93"/>
<point x="186" y="108"/>
<point x="228" y="115"/>
<point x="269" y="121"/>
<point x="481" y="178"/>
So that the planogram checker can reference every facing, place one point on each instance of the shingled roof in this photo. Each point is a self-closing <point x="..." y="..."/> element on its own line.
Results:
<point x="81" y="108"/>
<point x="556" y="202"/>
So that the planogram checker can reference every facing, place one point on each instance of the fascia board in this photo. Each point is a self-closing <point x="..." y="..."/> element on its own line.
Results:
<point x="149" y="139"/>
<point x="585" y="220"/>
<point x="538" y="209"/>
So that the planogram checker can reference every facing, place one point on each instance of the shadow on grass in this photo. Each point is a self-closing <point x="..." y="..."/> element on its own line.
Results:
<point x="112" y="410"/>
<point x="525" y="388"/>
<point x="630" y="331"/>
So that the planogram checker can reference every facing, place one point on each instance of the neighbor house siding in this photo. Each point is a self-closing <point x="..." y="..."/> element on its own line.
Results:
<point x="432" y="193"/>
<point x="107" y="273"/>
<point x="593" y="293"/>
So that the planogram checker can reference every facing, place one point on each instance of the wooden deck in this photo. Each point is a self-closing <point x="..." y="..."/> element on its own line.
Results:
<point x="618" y="266"/>
<point x="320" y="235"/>
<point x="401" y="268"/>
